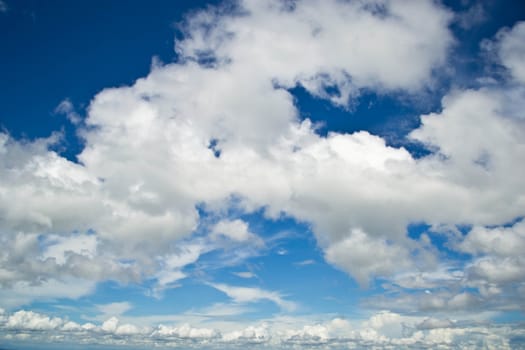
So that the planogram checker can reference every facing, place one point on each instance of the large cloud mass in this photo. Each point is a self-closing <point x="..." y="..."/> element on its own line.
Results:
<point x="221" y="124"/>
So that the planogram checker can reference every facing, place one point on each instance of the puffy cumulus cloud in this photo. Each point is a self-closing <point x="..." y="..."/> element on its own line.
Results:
<point x="509" y="269"/>
<point x="496" y="269"/>
<point x="113" y="326"/>
<point x="252" y="294"/>
<point x="185" y="332"/>
<point x="250" y="335"/>
<point x="29" y="320"/>
<point x="480" y="158"/>
<point x="32" y="177"/>
<point x="236" y="230"/>
<point x="512" y="50"/>
<point x="52" y="267"/>
<point x="198" y="132"/>
<point x="326" y="43"/>
<point x="334" y="333"/>
<point x="147" y="160"/>
<point x="41" y="193"/>
<point x="498" y="241"/>
<point x="368" y="257"/>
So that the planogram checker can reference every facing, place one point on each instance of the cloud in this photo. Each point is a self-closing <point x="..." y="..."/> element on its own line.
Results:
<point x="327" y="43"/>
<point x="220" y="310"/>
<point x="363" y="256"/>
<point x="245" y="274"/>
<point x="28" y="320"/>
<point x="23" y="292"/>
<point x="236" y="230"/>
<point x="250" y="294"/>
<point x="472" y="16"/>
<point x="57" y="247"/>
<point x="512" y="50"/>
<point x="305" y="262"/>
<point x="195" y="133"/>
<point x="138" y="139"/>
<point x="250" y="335"/>
<point x="185" y="332"/>
<point x="499" y="241"/>
<point x="114" y="309"/>
<point x="112" y="326"/>
<point x="3" y="6"/>
<point x="173" y="263"/>
<point x="380" y="330"/>
<point x="66" y="108"/>
<point x="433" y="323"/>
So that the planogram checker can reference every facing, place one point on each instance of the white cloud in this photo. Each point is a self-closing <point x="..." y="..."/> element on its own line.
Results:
<point x="184" y="331"/>
<point x="499" y="270"/>
<point x="110" y="325"/>
<point x="512" y="50"/>
<point x="305" y="262"/>
<point x="499" y="241"/>
<point x="364" y="256"/>
<point x="113" y="326"/>
<point x="249" y="335"/>
<point x="328" y="43"/>
<point x="220" y="310"/>
<point x="245" y="274"/>
<point x="147" y="163"/>
<point x="23" y="292"/>
<point x="236" y="230"/>
<point x="252" y="294"/>
<point x="114" y="309"/>
<point x="66" y="107"/>
<point x="172" y="264"/>
<point x="28" y="320"/>
<point x="380" y="330"/>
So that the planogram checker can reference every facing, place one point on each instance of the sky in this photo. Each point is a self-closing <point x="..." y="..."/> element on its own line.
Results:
<point x="266" y="174"/>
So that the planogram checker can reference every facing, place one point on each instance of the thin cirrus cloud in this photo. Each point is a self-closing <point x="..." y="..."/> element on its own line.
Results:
<point x="175" y="166"/>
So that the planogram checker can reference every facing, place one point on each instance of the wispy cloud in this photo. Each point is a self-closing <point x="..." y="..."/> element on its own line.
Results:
<point x="253" y="294"/>
<point x="245" y="274"/>
<point x="305" y="262"/>
<point x="66" y="108"/>
<point x="114" y="309"/>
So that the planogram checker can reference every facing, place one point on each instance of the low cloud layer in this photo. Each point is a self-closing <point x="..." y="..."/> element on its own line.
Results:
<point x="384" y="329"/>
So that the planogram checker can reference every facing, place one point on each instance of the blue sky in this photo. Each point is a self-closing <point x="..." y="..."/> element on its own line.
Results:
<point x="281" y="174"/>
